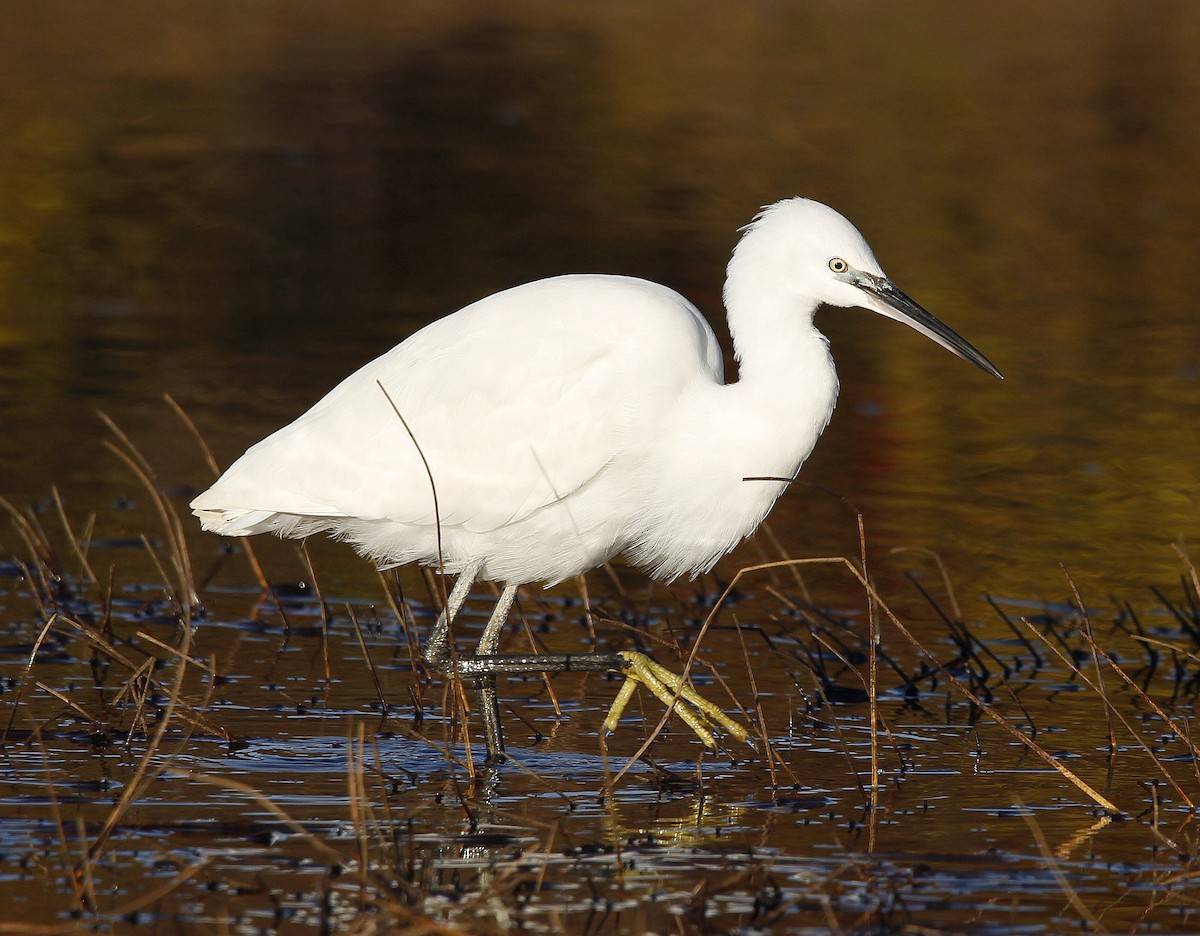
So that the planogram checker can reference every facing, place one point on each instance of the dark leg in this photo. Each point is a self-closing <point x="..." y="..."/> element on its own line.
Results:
<point x="436" y="652"/>
<point x="489" y="706"/>
<point x="438" y="656"/>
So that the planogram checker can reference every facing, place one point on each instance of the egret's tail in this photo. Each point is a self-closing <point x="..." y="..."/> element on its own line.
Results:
<point x="236" y="522"/>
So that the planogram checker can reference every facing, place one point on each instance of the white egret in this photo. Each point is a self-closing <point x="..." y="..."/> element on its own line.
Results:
<point x="538" y="432"/>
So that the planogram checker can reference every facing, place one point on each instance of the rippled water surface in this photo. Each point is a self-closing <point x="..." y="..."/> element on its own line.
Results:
<point x="238" y="205"/>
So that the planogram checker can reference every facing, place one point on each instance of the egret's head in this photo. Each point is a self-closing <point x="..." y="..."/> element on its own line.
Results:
<point x="809" y="251"/>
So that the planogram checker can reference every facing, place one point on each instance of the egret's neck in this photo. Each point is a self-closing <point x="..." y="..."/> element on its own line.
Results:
<point x="779" y="351"/>
<point x="729" y="450"/>
<point x="787" y="385"/>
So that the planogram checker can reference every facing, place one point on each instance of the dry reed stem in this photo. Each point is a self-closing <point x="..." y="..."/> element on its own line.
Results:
<point x="437" y="513"/>
<point x="1101" y="690"/>
<point x="302" y="549"/>
<point x="356" y="797"/>
<point x="946" y="581"/>
<point x="774" y="760"/>
<point x="65" y="624"/>
<point x="137" y="687"/>
<point x="539" y="646"/>
<point x="873" y="674"/>
<point x="82" y="878"/>
<point x="199" y="662"/>
<point x="190" y="425"/>
<point x="1146" y="700"/>
<point x="837" y="727"/>
<point x="399" y="604"/>
<point x="136" y="784"/>
<point x="71" y="538"/>
<point x="171" y="522"/>
<point x="143" y="774"/>
<point x="362" y="645"/>
<point x="39" y="553"/>
<point x="1189" y="565"/>
<point x="769" y="531"/>
<point x="69" y="703"/>
<point x="1155" y="819"/>
<point x="215" y="470"/>
<point x="172" y="593"/>
<point x="15" y="704"/>
<point x="618" y="586"/>
<point x="588" y="615"/>
<point x="1167" y="645"/>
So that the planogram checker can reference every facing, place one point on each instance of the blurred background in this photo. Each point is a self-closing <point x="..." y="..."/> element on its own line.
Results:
<point x="239" y="203"/>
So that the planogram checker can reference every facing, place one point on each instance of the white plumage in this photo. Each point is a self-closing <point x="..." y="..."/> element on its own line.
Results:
<point x="574" y="418"/>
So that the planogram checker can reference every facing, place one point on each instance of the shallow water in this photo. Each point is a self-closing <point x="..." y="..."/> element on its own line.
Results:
<point x="281" y="776"/>
<point x="239" y="205"/>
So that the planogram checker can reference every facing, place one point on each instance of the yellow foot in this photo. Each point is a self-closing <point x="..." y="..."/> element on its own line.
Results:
<point x="696" y="711"/>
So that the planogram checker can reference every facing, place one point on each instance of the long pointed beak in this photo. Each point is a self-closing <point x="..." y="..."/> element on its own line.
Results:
<point x="896" y="305"/>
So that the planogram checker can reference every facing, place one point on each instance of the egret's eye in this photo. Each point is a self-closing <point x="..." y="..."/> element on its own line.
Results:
<point x="838" y="265"/>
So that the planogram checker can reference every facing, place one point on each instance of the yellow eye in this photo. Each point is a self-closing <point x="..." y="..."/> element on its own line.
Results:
<point x="838" y="265"/>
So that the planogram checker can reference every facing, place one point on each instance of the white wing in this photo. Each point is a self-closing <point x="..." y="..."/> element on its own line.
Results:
<point x="515" y="402"/>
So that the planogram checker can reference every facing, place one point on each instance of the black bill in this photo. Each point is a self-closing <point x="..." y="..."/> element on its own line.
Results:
<point x="903" y="309"/>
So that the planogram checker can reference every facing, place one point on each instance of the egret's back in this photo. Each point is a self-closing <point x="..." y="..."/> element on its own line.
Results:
<point x="514" y="428"/>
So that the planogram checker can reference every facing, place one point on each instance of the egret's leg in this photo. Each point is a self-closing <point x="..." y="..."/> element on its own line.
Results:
<point x="484" y="665"/>
<point x="489" y="706"/>
<point x="491" y="633"/>
<point x="436" y="652"/>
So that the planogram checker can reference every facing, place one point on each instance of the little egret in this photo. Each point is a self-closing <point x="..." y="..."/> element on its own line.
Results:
<point x="538" y="432"/>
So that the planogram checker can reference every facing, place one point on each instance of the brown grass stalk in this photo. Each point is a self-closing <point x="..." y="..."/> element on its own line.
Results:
<point x="774" y="761"/>
<point x="1070" y="664"/>
<point x="362" y="645"/>
<point x="71" y="538"/>
<point x="25" y="672"/>
<point x="185" y="590"/>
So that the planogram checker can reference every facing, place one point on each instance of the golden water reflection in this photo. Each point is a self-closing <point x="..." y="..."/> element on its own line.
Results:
<point x="239" y="205"/>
